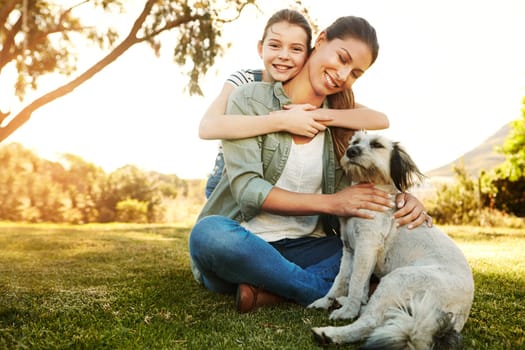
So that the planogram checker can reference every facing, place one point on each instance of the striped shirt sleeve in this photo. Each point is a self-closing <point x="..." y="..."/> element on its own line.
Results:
<point x="241" y="77"/>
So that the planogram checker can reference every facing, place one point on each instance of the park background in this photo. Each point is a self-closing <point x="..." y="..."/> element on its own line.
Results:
<point x="449" y="75"/>
<point x="99" y="189"/>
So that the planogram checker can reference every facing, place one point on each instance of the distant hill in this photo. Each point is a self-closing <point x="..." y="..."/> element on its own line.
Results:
<point x="483" y="157"/>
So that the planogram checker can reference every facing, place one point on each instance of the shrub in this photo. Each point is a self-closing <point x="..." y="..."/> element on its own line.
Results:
<point x="132" y="210"/>
<point x="457" y="203"/>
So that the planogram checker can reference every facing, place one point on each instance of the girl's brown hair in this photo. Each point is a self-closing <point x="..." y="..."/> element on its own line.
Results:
<point x="292" y="17"/>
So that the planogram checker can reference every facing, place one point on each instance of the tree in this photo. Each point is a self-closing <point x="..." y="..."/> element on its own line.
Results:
<point x="83" y="182"/>
<point x="39" y="37"/>
<point x="503" y="189"/>
<point x="30" y="187"/>
<point x="514" y="149"/>
<point x="508" y="184"/>
<point x="34" y="189"/>
<point x="125" y="183"/>
<point x="17" y="170"/>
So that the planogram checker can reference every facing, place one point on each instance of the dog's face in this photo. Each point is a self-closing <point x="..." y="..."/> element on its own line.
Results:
<point x="374" y="158"/>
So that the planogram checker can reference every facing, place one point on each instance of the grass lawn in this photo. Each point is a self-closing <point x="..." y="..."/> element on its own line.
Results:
<point x="122" y="286"/>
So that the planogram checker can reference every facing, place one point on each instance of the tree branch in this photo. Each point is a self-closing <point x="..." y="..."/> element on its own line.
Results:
<point x="239" y="12"/>
<point x="170" y="25"/>
<point x="7" y="54"/>
<point x="131" y="39"/>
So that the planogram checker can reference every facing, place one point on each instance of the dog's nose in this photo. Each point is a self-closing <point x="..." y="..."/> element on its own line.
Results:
<point x="353" y="151"/>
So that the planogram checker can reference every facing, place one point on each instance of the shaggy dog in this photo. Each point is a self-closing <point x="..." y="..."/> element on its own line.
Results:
<point x="426" y="288"/>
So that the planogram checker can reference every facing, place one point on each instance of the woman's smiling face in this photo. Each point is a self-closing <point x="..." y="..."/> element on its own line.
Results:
<point x="335" y="65"/>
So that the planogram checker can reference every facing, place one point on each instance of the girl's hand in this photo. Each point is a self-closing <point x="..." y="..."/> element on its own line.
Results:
<point x="411" y="211"/>
<point x="302" y="120"/>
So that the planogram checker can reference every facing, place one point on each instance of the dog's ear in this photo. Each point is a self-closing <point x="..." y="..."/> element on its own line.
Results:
<point x="403" y="171"/>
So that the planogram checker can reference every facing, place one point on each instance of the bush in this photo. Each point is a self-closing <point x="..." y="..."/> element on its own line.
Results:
<point x="132" y="210"/>
<point x="471" y="201"/>
<point x="508" y="195"/>
<point x="496" y="218"/>
<point x="457" y="203"/>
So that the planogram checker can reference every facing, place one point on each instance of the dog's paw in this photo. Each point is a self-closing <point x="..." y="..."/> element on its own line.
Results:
<point x="343" y="300"/>
<point x="345" y="312"/>
<point x="321" y="303"/>
<point x="320" y="336"/>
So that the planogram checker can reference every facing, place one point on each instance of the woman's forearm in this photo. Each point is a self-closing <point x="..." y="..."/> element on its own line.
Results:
<point x="283" y="202"/>
<point x="351" y="201"/>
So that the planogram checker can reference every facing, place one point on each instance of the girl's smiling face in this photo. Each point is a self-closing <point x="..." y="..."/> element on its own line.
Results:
<point x="284" y="50"/>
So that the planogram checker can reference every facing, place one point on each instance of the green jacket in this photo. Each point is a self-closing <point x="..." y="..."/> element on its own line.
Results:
<point x="253" y="165"/>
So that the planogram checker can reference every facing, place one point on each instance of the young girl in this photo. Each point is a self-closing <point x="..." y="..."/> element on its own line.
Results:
<point x="284" y="48"/>
<point x="261" y="232"/>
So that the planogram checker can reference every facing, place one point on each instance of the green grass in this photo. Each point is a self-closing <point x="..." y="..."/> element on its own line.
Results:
<point x="129" y="287"/>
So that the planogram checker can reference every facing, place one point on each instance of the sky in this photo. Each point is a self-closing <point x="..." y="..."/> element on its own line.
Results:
<point x="449" y="75"/>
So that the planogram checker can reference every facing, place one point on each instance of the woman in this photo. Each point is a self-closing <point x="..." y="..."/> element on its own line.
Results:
<point x="284" y="48"/>
<point x="266" y="231"/>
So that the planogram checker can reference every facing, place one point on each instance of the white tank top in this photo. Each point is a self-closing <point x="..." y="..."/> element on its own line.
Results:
<point x="302" y="173"/>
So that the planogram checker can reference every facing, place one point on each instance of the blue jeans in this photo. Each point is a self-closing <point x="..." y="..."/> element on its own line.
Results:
<point x="225" y="254"/>
<point x="215" y="175"/>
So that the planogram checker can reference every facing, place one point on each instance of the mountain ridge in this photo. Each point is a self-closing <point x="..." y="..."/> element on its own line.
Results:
<point x="482" y="157"/>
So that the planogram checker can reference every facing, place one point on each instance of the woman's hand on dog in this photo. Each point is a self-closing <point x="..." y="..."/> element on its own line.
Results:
<point x="411" y="211"/>
<point x="353" y="199"/>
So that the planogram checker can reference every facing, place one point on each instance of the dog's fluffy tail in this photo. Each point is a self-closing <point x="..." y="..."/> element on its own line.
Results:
<point x="415" y="325"/>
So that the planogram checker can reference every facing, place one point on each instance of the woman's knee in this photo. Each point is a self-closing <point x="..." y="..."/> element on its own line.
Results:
<point x="213" y="233"/>
<point x="202" y="231"/>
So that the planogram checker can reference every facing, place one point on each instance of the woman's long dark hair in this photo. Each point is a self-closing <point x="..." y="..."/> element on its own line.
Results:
<point x="357" y="28"/>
